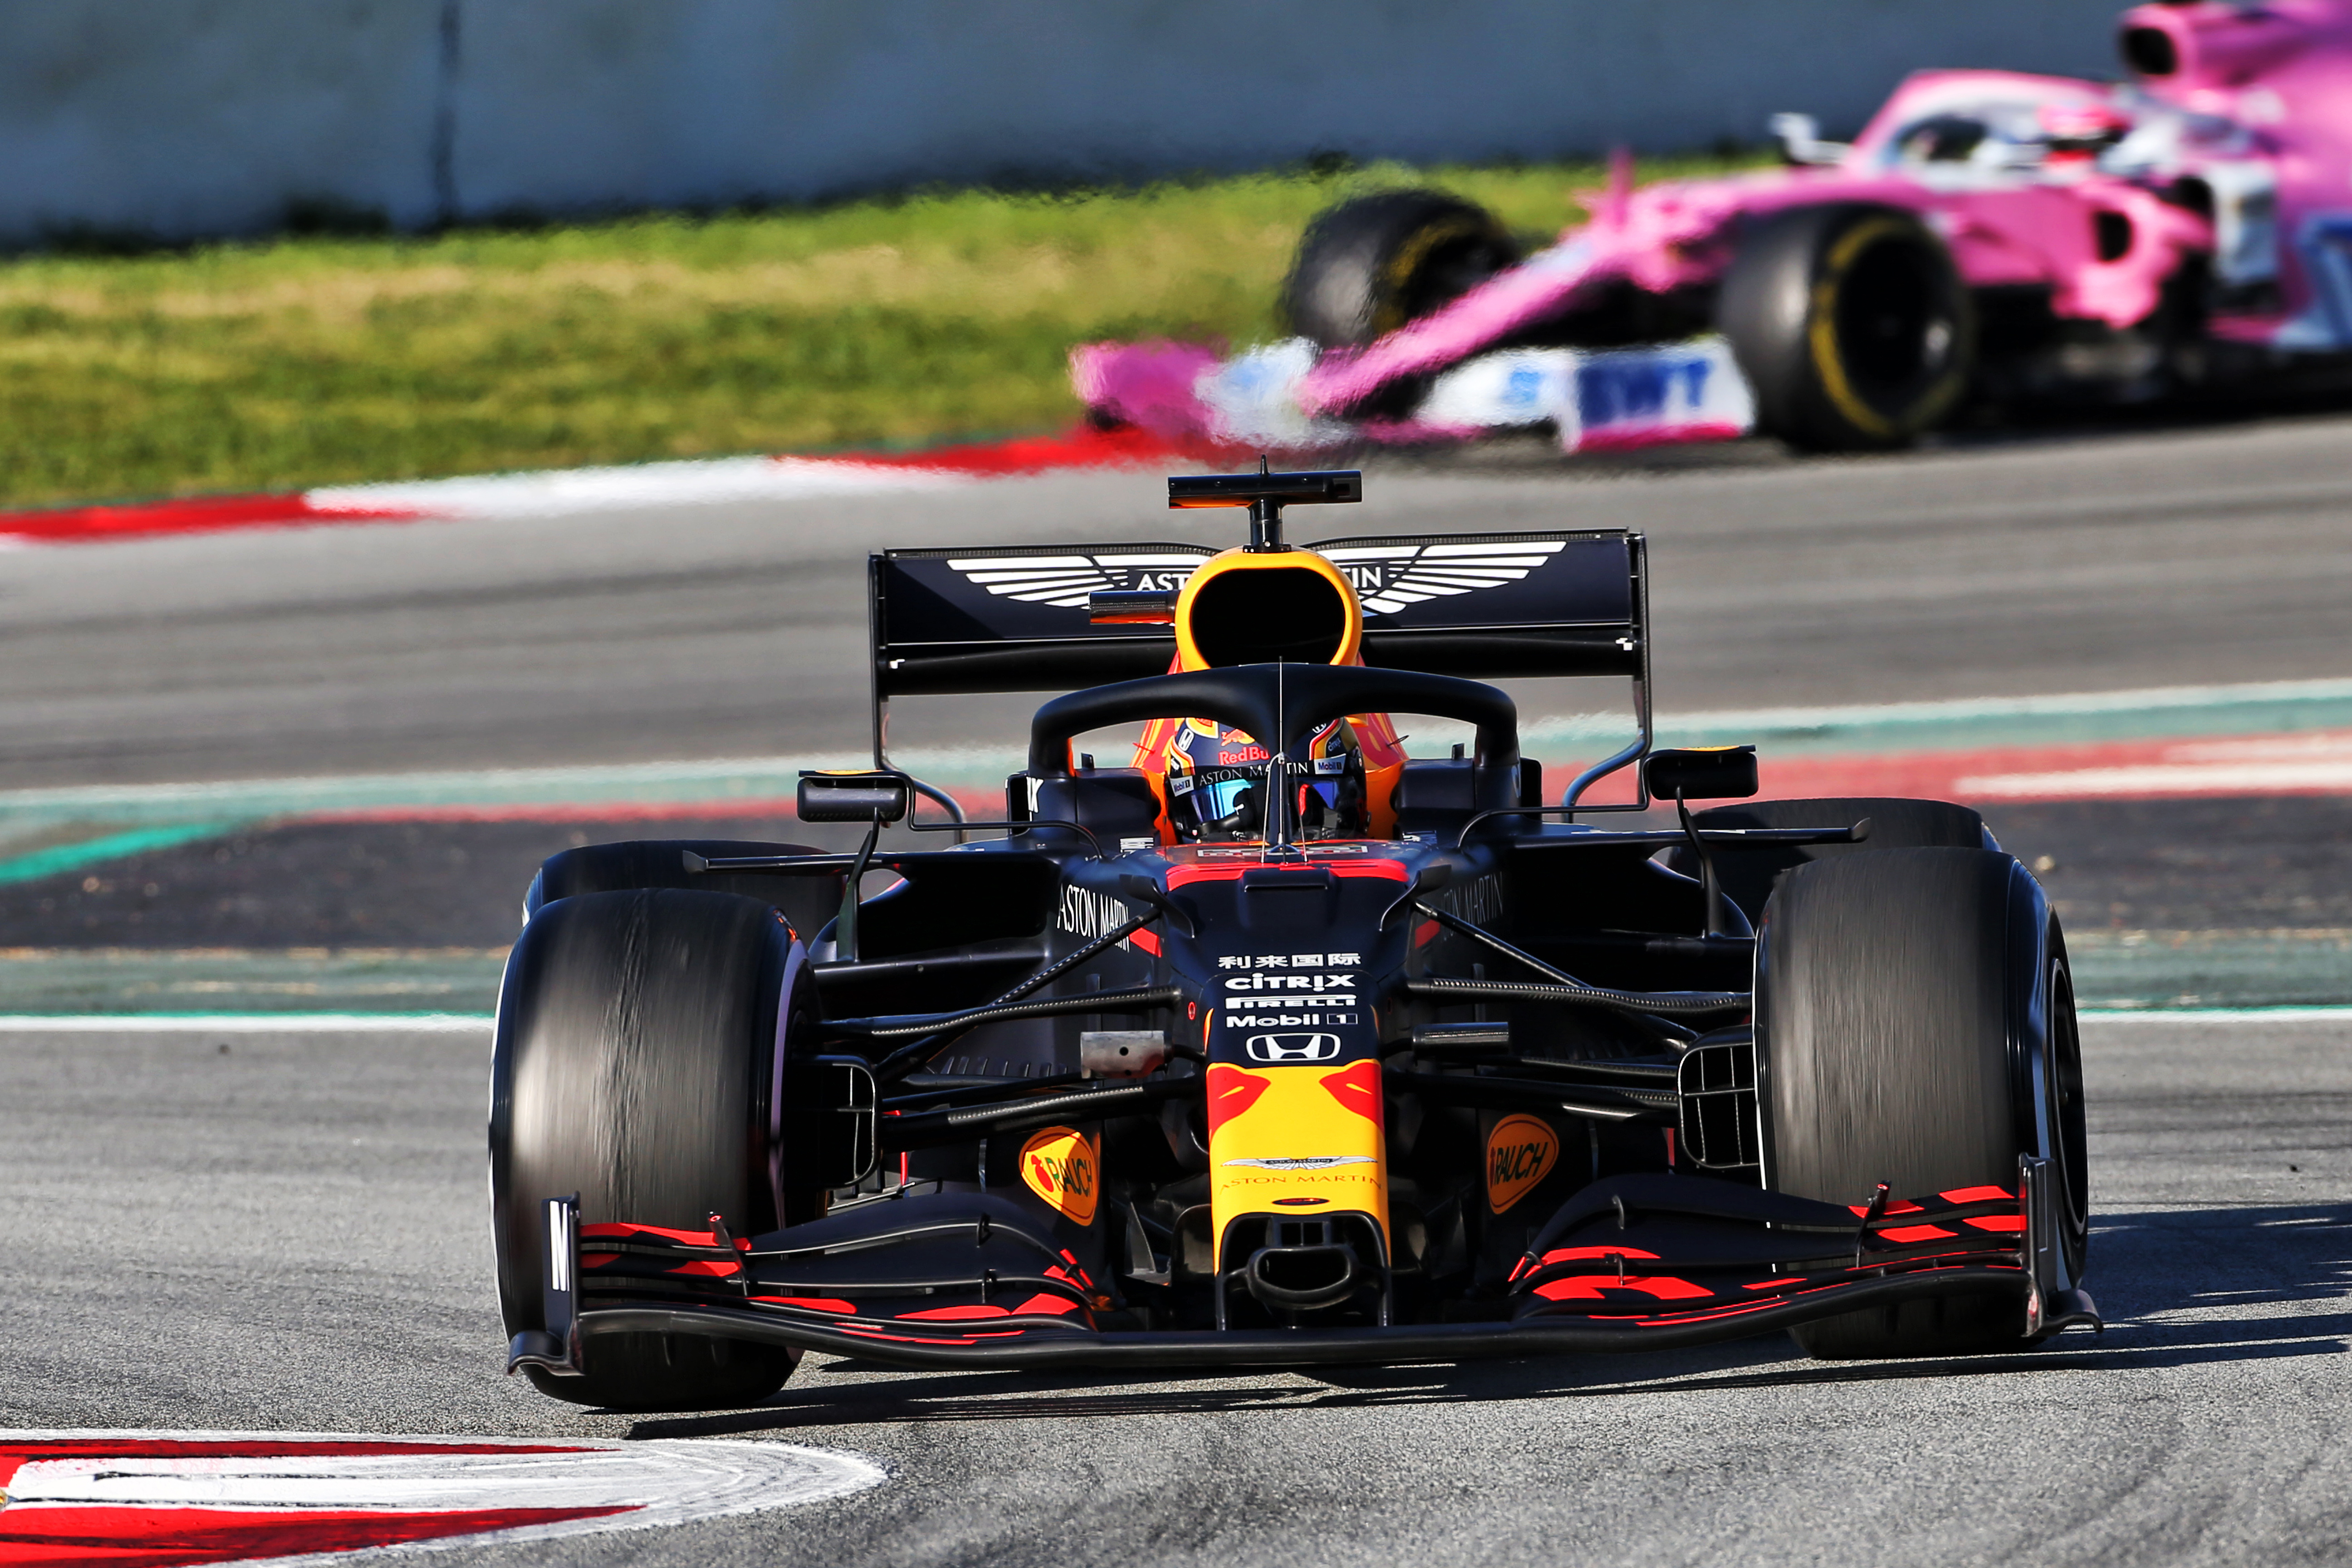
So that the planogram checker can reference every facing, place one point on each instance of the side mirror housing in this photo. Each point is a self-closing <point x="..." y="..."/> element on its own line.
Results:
<point x="1702" y="772"/>
<point x="1800" y="136"/>
<point x="871" y="794"/>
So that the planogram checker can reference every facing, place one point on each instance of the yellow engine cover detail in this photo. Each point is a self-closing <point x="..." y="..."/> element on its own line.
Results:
<point x="1296" y="1142"/>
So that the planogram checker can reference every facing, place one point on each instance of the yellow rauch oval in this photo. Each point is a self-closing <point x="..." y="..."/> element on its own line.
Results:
<point x="1520" y="1152"/>
<point x="1062" y="1167"/>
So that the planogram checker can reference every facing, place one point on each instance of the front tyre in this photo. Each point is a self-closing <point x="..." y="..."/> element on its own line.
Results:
<point x="1915" y="1024"/>
<point x="1851" y="323"/>
<point x="634" y="1065"/>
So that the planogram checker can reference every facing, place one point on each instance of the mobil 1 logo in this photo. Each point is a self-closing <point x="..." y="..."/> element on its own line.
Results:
<point x="1284" y="1004"/>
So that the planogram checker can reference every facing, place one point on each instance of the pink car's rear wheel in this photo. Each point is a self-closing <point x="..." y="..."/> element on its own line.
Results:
<point x="1851" y="323"/>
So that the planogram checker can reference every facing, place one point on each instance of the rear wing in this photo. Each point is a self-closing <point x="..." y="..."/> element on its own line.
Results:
<point x="1481" y="605"/>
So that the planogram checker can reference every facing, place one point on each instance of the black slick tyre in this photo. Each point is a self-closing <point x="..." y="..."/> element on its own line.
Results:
<point x="808" y="901"/>
<point x="1851" y="324"/>
<point x="1914" y="1025"/>
<point x="633" y="1065"/>
<point x="1367" y="267"/>
<point x="1896" y="823"/>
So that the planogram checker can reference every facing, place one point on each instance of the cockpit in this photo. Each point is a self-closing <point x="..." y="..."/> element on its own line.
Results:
<point x="1279" y="607"/>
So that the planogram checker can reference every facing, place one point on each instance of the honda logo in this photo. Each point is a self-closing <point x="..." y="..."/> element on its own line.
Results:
<point x="1293" y="1048"/>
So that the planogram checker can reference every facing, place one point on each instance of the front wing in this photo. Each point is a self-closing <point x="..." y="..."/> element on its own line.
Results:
<point x="1633" y="1263"/>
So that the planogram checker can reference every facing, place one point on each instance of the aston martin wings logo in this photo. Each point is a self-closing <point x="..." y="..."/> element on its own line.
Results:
<point x="1068" y="580"/>
<point x="1388" y="577"/>
<point x="1308" y="1161"/>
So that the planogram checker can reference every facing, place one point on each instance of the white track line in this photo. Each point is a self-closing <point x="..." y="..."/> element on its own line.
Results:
<point x="645" y="1484"/>
<point x="567" y="491"/>
<point x="2219" y="1015"/>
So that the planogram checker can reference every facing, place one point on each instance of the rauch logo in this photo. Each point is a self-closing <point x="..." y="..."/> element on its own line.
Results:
<point x="1520" y="1152"/>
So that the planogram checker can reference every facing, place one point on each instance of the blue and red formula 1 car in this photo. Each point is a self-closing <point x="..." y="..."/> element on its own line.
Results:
<point x="1989" y="237"/>
<point x="1282" y="1047"/>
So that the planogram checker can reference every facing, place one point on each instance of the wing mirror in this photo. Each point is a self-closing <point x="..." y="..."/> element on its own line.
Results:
<point x="872" y="795"/>
<point x="1800" y="136"/>
<point x="1702" y="772"/>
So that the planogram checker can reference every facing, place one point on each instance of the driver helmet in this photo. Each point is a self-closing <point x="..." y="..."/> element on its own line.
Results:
<point x="1263" y="607"/>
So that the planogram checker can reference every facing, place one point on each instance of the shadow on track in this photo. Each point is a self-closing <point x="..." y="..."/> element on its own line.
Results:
<point x="2176" y="1285"/>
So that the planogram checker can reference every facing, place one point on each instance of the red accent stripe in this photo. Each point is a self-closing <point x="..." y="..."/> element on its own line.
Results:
<point x="1083" y="447"/>
<point x="1184" y="874"/>
<point x="1393" y="870"/>
<point x="251" y="1448"/>
<point x="1232" y="1091"/>
<point x="1978" y="1196"/>
<point x="1595" y="1288"/>
<point x="812" y="1303"/>
<point x="1358" y="1088"/>
<point x="48" y="1536"/>
<point x="1148" y="940"/>
<point x="2010" y="1223"/>
<point x="23" y="1453"/>
<point x="624" y="1231"/>
<point x="190" y="514"/>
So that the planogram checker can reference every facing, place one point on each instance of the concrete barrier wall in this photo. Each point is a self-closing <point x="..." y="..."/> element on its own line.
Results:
<point x="191" y="117"/>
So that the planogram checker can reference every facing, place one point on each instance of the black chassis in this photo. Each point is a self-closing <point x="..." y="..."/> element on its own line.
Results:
<point x="1503" y="967"/>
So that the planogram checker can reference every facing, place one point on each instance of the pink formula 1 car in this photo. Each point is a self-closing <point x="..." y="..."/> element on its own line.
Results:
<point x="1989" y="237"/>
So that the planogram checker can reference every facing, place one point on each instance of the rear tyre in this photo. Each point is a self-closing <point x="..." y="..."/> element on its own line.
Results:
<point x="1367" y="267"/>
<point x="634" y="1065"/>
<point x="1914" y="1025"/>
<point x="1851" y="323"/>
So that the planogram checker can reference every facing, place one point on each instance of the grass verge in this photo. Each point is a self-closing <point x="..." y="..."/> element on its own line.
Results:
<point x="315" y="360"/>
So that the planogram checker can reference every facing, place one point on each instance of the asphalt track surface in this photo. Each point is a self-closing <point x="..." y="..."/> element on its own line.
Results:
<point x="2072" y="563"/>
<point x="289" y="1235"/>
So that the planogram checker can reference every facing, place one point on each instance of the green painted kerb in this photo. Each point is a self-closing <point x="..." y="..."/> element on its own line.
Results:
<point x="64" y="858"/>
